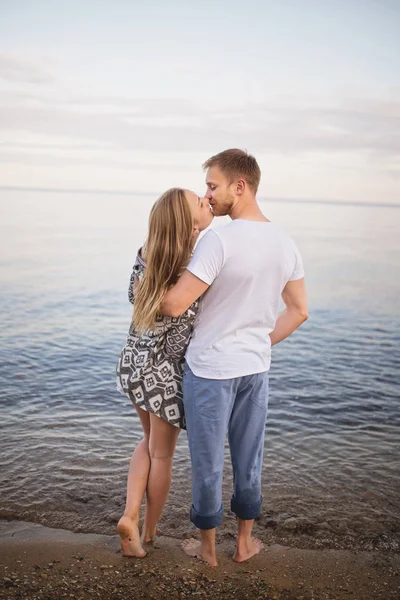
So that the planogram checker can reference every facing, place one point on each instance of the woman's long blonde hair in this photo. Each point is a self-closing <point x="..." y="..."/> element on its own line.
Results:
<point x="167" y="251"/>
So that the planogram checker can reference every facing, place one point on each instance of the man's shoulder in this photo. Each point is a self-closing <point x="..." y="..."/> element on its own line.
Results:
<point x="229" y="233"/>
<point x="217" y="232"/>
<point x="244" y="227"/>
<point x="227" y="229"/>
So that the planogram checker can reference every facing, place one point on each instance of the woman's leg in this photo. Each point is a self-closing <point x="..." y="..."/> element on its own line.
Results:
<point x="162" y="442"/>
<point x="128" y="525"/>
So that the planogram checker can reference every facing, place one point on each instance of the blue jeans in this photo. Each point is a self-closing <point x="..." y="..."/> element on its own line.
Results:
<point x="214" y="407"/>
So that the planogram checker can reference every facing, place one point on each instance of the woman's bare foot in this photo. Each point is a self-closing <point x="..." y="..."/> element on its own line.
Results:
<point x="193" y="548"/>
<point x="247" y="549"/>
<point x="129" y="538"/>
<point x="149" y="538"/>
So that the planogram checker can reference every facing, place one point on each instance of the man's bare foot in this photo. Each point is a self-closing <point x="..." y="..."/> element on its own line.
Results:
<point x="129" y="538"/>
<point x="193" y="548"/>
<point x="248" y="548"/>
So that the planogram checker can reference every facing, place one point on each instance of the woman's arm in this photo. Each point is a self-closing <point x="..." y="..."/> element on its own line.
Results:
<point x="182" y="295"/>
<point x="133" y="286"/>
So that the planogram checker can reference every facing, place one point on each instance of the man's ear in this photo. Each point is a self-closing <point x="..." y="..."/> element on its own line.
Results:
<point x="240" y="186"/>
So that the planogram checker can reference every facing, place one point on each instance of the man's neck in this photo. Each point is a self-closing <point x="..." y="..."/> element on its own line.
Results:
<point x="248" y="211"/>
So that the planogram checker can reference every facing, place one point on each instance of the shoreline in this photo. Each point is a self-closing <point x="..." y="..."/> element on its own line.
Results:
<point x="352" y="532"/>
<point x="38" y="562"/>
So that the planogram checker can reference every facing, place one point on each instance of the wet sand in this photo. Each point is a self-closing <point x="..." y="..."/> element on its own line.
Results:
<point x="39" y="563"/>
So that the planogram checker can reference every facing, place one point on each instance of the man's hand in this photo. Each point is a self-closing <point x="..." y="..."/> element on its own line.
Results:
<point x="182" y="295"/>
<point x="296" y="311"/>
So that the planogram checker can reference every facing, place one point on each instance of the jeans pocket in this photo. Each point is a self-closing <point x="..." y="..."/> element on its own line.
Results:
<point x="259" y="393"/>
<point x="211" y="397"/>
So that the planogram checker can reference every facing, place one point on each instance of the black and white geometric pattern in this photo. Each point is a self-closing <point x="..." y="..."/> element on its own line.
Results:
<point x="150" y="367"/>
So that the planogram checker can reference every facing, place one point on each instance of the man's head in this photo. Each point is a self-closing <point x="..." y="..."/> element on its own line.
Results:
<point x="232" y="176"/>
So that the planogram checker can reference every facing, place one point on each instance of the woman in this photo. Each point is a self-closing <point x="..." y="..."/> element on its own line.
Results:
<point x="150" y="368"/>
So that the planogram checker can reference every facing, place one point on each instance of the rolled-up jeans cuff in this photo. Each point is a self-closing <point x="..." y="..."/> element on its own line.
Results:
<point x="206" y="521"/>
<point x="246" y="511"/>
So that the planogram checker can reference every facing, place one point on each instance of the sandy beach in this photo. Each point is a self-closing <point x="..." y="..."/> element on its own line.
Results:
<point x="39" y="563"/>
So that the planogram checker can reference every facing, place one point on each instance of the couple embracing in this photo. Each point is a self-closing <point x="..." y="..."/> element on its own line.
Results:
<point x="199" y="349"/>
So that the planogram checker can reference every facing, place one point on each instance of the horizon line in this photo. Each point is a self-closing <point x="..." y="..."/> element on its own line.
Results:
<point x="11" y="188"/>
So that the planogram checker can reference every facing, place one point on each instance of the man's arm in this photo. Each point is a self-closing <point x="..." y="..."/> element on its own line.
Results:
<point x="182" y="295"/>
<point x="296" y="311"/>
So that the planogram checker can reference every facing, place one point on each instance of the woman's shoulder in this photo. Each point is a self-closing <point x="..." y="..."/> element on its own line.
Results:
<point x="140" y="263"/>
<point x="136" y="275"/>
<point x="140" y="257"/>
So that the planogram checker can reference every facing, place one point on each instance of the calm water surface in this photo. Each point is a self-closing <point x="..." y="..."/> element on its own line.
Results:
<point x="332" y="454"/>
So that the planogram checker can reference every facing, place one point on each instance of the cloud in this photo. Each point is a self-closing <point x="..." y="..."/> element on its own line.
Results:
<point x="47" y="159"/>
<point x="370" y="127"/>
<point x="15" y="69"/>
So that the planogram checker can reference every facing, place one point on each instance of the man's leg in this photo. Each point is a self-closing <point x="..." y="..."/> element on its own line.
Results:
<point x="246" y="441"/>
<point x="208" y="405"/>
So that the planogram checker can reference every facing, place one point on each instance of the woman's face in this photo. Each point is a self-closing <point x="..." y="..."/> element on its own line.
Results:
<point x="201" y="210"/>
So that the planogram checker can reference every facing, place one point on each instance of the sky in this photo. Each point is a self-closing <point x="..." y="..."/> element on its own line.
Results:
<point x="129" y="96"/>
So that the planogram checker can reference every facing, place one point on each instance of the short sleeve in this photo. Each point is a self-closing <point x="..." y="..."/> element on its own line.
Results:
<point x="208" y="258"/>
<point x="298" y="271"/>
<point x="136" y="275"/>
<point x="131" y="289"/>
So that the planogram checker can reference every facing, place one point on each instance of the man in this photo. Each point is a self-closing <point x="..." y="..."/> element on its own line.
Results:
<point x="244" y="267"/>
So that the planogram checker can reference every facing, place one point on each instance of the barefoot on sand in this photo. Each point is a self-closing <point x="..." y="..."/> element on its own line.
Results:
<point x="192" y="548"/>
<point x="247" y="550"/>
<point x="149" y="539"/>
<point x="129" y="538"/>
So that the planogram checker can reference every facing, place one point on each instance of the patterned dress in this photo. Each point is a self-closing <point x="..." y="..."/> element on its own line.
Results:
<point x="150" y="367"/>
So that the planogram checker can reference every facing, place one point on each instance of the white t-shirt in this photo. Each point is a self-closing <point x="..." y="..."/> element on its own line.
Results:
<point x="247" y="264"/>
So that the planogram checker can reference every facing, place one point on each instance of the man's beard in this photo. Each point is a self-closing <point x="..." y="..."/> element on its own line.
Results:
<point x="223" y="208"/>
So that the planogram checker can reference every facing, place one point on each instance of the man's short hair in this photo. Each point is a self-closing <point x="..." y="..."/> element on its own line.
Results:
<point x="237" y="163"/>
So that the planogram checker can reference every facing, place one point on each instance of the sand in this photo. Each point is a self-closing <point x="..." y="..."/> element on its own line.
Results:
<point x="40" y="563"/>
